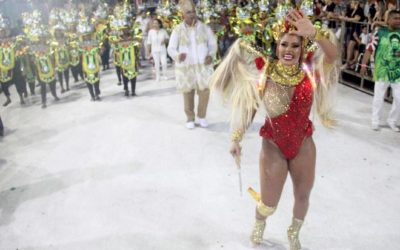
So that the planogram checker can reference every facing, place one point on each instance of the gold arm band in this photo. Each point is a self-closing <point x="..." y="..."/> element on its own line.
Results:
<point x="237" y="135"/>
<point x="320" y="34"/>
<point x="263" y="209"/>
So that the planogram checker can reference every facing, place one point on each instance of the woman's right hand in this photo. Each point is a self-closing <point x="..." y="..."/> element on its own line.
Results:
<point x="236" y="149"/>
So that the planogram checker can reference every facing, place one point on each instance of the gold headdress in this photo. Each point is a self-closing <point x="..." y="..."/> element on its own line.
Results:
<point x="264" y="5"/>
<point x="169" y="15"/>
<point x="244" y="15"/>
<point x="4" y="26"/>
<point x="121" y="18"/>
<point x="4" y="22"/>
<point x="281" y="25"/>
<point x="164" y="9"/>
<point x="101" y="11"/>
<point x="240" y="80"/>
<point x="33" y="28"/>
<point x="84" y="26"/>
<point x="208" y="11"/>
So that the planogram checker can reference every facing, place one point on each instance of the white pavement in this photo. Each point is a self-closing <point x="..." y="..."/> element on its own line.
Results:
<point x="125" y="173"/>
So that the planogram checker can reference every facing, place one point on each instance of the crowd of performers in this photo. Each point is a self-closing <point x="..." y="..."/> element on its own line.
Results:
<point x="79" y="40"/>
<point x="74" y="40"/>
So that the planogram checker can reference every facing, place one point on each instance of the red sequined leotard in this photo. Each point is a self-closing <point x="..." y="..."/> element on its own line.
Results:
<point x="288" y="130"/>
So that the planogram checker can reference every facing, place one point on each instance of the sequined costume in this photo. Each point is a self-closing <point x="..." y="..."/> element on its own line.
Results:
<point x="90" y="61"/>
<point x="286" y="84"/>
<point x="75" y="57"/>
<point x="125" y="39"/>
<point x="41" y="54"/>
<point x="10" y="67"/>
<point x="288" y="130"/>
<point x="61" y="59"/>
<point x="89" y="49"/>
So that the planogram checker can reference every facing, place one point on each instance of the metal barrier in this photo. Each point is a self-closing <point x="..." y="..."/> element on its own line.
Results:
<point x="353" y="78"/>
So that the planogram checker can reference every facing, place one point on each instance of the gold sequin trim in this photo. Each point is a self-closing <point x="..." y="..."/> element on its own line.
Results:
<point x="286" y="75"/>
<point x="250" y="49"/>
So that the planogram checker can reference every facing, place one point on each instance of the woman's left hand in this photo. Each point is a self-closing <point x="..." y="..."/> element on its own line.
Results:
<point x="303" y="25"/>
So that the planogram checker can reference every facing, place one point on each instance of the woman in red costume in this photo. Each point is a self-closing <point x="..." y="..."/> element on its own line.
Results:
<point x="286" y="86"/>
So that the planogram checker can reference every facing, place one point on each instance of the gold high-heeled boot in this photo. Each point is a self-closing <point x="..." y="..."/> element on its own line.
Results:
<point x="258" y="231"/>
<point x="293" y="234"/>
<point x="256" y="236"/>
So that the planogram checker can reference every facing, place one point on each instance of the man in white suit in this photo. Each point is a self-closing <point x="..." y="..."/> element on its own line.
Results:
<point x="193" y="46"/>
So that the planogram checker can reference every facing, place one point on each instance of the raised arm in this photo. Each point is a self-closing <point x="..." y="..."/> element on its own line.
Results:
<point x="306" y="29"/>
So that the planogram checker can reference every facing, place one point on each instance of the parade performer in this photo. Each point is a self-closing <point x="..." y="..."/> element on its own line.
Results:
<point x="90" y="51"/>
<point x="193" y="46"/>
<point x="114" y="38"/>
<point x="27" y="65"/>
<point x="101" y="27"/>
<point x="117" y="63"/>
<point x="70" y="19"/>
<point x="43" y="57"/>
<point x="127" y="47"/>
<point x="285" y="86"/>
<point x="75" y="57"/>
<point x="10" y="68"/>
<point x="60" y="48"/>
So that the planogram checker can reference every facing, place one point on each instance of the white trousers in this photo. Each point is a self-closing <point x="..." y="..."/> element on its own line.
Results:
<point x="377" y="104"/>
<point x="160" y="56"/>
<point x="143" y="50"/>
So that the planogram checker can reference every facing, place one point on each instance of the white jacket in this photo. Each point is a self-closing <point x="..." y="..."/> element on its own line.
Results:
<point x="197" y="42"/>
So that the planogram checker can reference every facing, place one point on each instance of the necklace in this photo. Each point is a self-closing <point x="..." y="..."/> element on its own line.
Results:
<point x="286" y="75"/>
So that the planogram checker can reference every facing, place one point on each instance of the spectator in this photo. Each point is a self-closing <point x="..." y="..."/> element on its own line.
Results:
<point x="333" y="12"/>
<point x="373" y="8"/>
<point x="356" y="15"/>
<point x="319" y="5"/>
<point x="362" y="41"/>
<point x="390" y="5"/>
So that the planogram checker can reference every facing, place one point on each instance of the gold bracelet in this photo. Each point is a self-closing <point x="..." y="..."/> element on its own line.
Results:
<point x="320" y="34"/>
<point x="237" y="135"/>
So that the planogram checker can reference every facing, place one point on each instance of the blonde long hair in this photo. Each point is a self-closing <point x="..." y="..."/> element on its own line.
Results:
<point x="236" y="79"/>
<point x="325" y="91"/>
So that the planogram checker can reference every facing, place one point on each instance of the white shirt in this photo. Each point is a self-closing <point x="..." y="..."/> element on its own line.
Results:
<point x="364" y="38"/>
<point x="156" y="39"/>
<point x="197" y="42"/>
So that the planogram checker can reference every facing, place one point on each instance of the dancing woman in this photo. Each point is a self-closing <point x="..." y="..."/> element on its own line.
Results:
<point x="286" y="86"/>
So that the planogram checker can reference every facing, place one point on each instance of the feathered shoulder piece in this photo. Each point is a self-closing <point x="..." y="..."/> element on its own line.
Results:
<point x="238" y="79"/>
